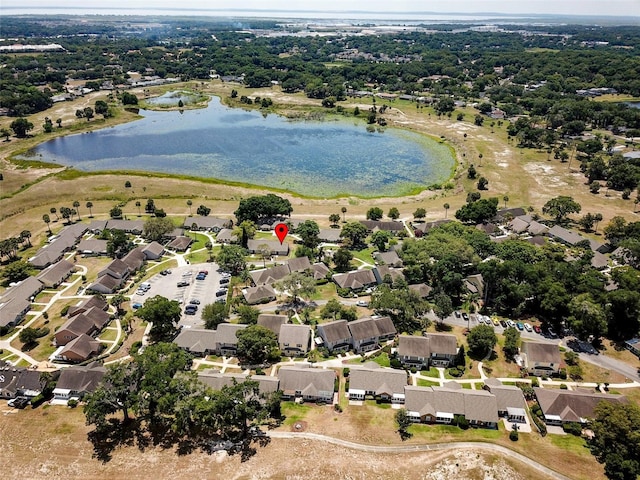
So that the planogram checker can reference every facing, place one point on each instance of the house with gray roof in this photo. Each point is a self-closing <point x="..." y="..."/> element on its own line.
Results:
<point x="272" y="322"/>
<point x="153" y="251"/>
<point x="540" y="359"/>
<point x="425" y="227"/>
<point x="335" y="335"/>
<point x="364" y="334"/>
<point x="386" y="328"/>
<point x="63" y="242"/>
<point x="376" y="225"/>
<point x="92" y="247"/>
<point x="267" y="276"/>
<point x="89" y="322"/>
<point x="373" y="381"/>
<point x="518" y="225"/>
<point x="355" y="280"/>
<point x="390" y="258"/>
<point x="128" y="226"/>
<point x="422" y="289"/>
<point x="565" y="236"/>
<point x="562" y="406"/>
<point x="226" y="339"/>
<point x="180" y="244"/>
<point x="16" y="301"/>
<point x="211" y="224"/>
<point x="274" y="246"/>
<point x="55" y="274"/>
<point x="105" y="284"/>
<point x="135" y="259"/>
<point x="382" y="271"/>
<point x="293" y="340"/>
<point x="443" y="404"/>
<point x="413" y="351"/>
<point x="77" y="381"/>
<point x="199" y="341"/>
<point x="217" y="380"/>
<point x="537" y="228"/>
<point x="19" y="382"/>
<point x="259" y="294"/>
<point x="307" y="383"/>
<point x="510" y="400"/>
<point x="298" y="264"/>
<point x="226" y="235"/>
<point x="329" y="235"/>
<point x="443" y="349"/>
<point x="319" y="271"/>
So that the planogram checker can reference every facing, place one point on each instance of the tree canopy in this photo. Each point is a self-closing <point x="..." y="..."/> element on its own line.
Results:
<point x="164" y="314"/>
<point x="257" y="345"/>
<point x="259" y="207"/>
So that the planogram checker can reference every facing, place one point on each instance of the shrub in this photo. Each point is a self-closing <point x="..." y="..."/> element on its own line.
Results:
<point x="414" y="370"/>
<point x="455" y="372"/>
<point x="513" y="435"/>
<point x="535" y="382"/>
<point x="135" y="347"/>
<point x="259" y="371"/>
<point x="563" y="387"/>
<point x="73" y="403"/>
<point x="463" y="423"/>
<point x="43" y="332"/>
<point x="338" y="408"/>
<point x="540" y="424"/>
<point x="395" y="363"/>
<point x="562" y="373"/>
<point x="345" y="372"/>
<point x="45" y="315"/>
<point x="574" y="428"/>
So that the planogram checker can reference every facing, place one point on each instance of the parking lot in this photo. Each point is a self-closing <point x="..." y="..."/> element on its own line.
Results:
<point x="203" y="290"/>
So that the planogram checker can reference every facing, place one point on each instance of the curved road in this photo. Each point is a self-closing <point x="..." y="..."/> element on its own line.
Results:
<point x="422" y="448"/>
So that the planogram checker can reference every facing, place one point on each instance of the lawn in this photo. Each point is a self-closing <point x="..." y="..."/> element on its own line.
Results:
<point x="109" y="334"/>
<point x="325" y="292"/>
<point x="427" y="383"/>
<point x="294" y="412"/>
<point x="382" y="360"/>
<point x="432" y="372"/>
<point x="365" y="255"/>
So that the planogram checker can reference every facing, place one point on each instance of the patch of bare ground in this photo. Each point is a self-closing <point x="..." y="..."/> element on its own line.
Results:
<point x="52" y="443"/>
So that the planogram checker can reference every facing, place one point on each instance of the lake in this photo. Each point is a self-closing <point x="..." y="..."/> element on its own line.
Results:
<point x="313" y="158"/>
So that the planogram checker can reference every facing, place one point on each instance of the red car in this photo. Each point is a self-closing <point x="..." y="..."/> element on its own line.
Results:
<point x="537" y="329"/>
<point x="204" y="272"/>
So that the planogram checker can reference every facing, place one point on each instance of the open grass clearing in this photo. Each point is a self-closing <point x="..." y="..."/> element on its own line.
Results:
<point x="109" y="334"/>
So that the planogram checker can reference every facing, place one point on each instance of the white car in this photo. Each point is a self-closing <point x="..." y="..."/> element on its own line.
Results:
<point x="528" y="327"/>
<point x="362" y="303"/>
<point x="141" y="292"/>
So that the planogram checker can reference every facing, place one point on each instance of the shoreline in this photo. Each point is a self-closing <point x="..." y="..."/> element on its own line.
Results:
<point x="282" y="110"/>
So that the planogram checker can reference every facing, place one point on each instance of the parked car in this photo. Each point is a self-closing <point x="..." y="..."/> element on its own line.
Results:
<point x="458" y="315"/>
<point x="503" y="324"/>
<point x="224" y="281"/>
<point x="527" y="327"/>
<point x="200" y="276"/>
<point x="495" y="321"/>
<point x="511" y="323"/>
<point x="183" y="283"/>
<point x="551" y="333"/>
<point x="141" y="292"/>
<point x="465" y="316"/>
<point x="194" y="301"/>
<point x="136" y="305"/>
<point x="204" y="272"/>
<point x="520" y="326"/>
<point x="221" y="292"/>
<point x="362" y="303"/>
<point x="537" y="329"/>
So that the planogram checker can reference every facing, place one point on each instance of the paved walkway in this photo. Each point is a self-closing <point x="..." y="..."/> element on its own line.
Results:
<point x="475" y="446"/>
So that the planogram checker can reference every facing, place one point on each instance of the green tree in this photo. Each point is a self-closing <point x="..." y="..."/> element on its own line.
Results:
<point x="446" y="209"/>
<point x="6" y="133"/>
<point x="344" y="212"/>
<point x="138" y="205"/>
<point x="203" y="211"/>
<point x="587" y="317"/>
<point x="616" y="442"/>
<point x="342" y="258"/>
<point x="308" y="232"/>
<point x="481" y="340"/>
<point x="332" y="309"/>
<point x="404" y="306"/>
<point x="479" y="211"/>
<point x="46" y="219"/>
<point x="442" y="306"/>
<point x="257" y="345"/>
<point x="374" y="213"/>
<point x="118" y="392"/>
<point x="247" y="314"/>
<point x="117" y="300"/>
<point x="21" y="126"/>
<point x="89" y="206"/>
<point x="214" y="314"/>
<point x="394" y="213"/>
<point x="354" y="233"/>
<point x="129" y="99"/>
<point x="561" y="206"/>
<point x="164" y="314"/>
<point x="101" y="108"/>
<point x="511" y="342"/>
<point x="155" y="228"/>
<point x="26" y="235"/>
<point x="297" y="284"/>
<point x="334" y="218"/>
<point x="88" y="113"/>
<point x="28" y="336"/>
<point x="231" y="258"/>
<point x="419" y="214"/>
<point x="482" y="183"/>
<point x="471" y="172"/>
<point x="16" y="271"/>
<point x="404" y="422"/>
<point x="379" y="239"/>
<point x="258" y="207"/>
<point x="115" y="212"/>
<point x="53" y="211"/>
<point x="189" y="204"/>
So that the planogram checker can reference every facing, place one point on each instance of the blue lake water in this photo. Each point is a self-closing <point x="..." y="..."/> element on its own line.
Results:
<point x="313" y="158"/>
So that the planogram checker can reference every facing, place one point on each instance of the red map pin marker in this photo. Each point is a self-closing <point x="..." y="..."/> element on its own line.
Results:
<point x="281" y="231"/>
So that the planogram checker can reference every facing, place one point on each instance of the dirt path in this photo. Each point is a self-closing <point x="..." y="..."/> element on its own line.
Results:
<point x="455" y="446"/>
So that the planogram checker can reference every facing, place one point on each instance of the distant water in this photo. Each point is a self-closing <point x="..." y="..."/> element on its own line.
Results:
<point x="313" y="158"/>
<point x="634" y="104"/>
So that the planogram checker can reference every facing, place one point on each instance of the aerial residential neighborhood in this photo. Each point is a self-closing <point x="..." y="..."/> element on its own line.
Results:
<point x="262" y="247"/>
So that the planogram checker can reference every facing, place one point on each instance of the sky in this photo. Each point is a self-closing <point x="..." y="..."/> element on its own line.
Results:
<point x="563" y="7"/>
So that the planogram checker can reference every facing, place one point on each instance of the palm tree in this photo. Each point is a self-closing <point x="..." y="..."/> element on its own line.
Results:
<point x="506" y="199"/>
<point x="46" y="219"/>
<point x="138" y="204"/>
<point x="89" y="205"/>
<point x="480" y="157"/>
<point x="189" y="202"/>
<point x="597" y="218"/>
<point x="55" y="212"/>
<point x="446" y="208"/>
<point x="26" y="235"/>
<point x="76" y="205"/>
<point x="343" y="210"/>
